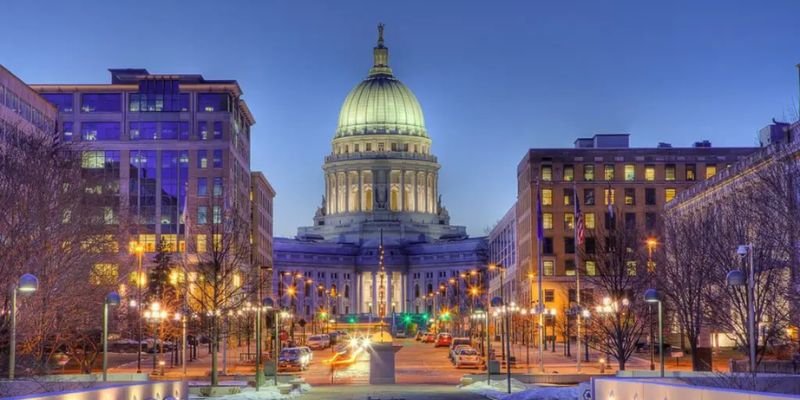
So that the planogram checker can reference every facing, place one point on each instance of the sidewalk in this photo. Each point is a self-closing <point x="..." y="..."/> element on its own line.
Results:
<point x="199" y="368"/>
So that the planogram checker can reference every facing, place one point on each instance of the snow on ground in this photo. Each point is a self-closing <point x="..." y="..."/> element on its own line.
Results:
<point x="520" y="391"/>
<point x="264" y="393"/>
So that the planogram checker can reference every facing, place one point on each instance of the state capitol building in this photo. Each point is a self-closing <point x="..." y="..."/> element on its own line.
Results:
<point x="381" y="193"/>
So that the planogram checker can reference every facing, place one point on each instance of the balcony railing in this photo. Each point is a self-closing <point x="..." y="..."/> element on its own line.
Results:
<point x="377" y="155"/>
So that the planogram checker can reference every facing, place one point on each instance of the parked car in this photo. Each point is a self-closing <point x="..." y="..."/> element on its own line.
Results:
<point x="400" y="335"/>
<point x="292" y="358"/>
<point x="459" y="341"/>
<point x="443" y="340"/>
<point x="467" y="357"/>
<point x="428" y="338"/>
<point x="452" y="353"/>
<point x="319" y="341"/>
<point x="307" y="350"/>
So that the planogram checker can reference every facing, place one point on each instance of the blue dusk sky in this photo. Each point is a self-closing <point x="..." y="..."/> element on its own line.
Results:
<point x="494" y="77"/>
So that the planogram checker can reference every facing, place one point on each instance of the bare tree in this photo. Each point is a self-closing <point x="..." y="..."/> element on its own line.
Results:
<point x="223" y="262"/>
<point x="618" y="257"/>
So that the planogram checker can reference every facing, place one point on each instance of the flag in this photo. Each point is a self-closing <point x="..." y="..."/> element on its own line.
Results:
<point x="539" y="222"/>
<point x="579" y="227"/>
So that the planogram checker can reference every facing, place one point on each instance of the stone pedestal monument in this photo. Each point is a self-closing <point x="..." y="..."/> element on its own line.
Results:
<point x="382" y="359"/>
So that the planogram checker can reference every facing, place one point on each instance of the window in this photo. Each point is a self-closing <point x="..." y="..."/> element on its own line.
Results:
<point x="630" y="266"/>
<point x="588" y="172"/>
<point x="588" y="197"/>
<point x="569" y="173"/>
<point x="608" y="197"/>
<point x="381" y="147"/>
<point x="356" y="148"/>
<point x="588" y="220"/>
<point x="201" y="243"/>
<point x="630" y="220"/>
<point x="67" y="131"/>
<point x="630" y="172"/>
<point x="691" y="172"/>
<point x="569" y="220"/>
<point x="711" y="170"/>
<point x="101" y="102"/>
<point x="669" y="194"/>
<point x="608" y="172"/>
<point x="174" y="130"/>
<point x="630" y="196"/>
<point x="369" y="146"/>
<point x="217" y="158"/>
<point x="549" y="268"/>
<point x="202" y="215"/>
<point x="569" y="195"/>
<point x="211" y="102"/>
<point x="158" y="100"/>
<point x="62" y="101"/>
<point x="217" y="129"/>
<point x="547" y="173"/>
<point x="650" y="173"/>
<point x="650" y="196"/>
<point x="100" y="131"/>
<point x="650" y="221"/>
<point x="569" y="267"/>
<point x="217" y="214"/>
<point x="669" y="172"/>
<point x="143" y="131"/>
<point x="547" y="245"/>
<point x="217" y="191"/>
<point x="569" y="245"/>
<point x="547" y="197"/>
<point x="202" y="186"/>
<point x="609" y="220"/>
<point x="591" y="268"/>
<point x="589" y="245"/>
<point x="202" y="158"/>
<point x="547" y="220"/>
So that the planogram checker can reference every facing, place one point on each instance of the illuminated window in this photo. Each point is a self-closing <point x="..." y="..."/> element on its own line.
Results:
<point x="569" y="173"/>
<point x="149" y="242"/>
<point x="569" y="196"/>
<point x="608" y="196"/>
<point x="588" y="172"/>
<point x="631" y="268"/>
<point x="669" y="172"/>
<point x="202" y="158"/>
<point x="217" y="241"/>
<point x="569" y="221"/>
<point x="549" y="267"/>
<point x="711" y="170"/>
<point x="93" y="159"/>
<point x="547" y="197"/>
<point x="169" y="242"/>
<point x="135" y="278"/>
<point x="549" y="295"/>
<point x="569" y="267"/>
<point x="630" y="172"/>
<point x="217" y="214"/>
<point x="691" y="172"/>
<point x="104" y="274"/>
<point x="201" y="243"/>
<point x="547" y="220"/>
<point x="547" y="173"/>
<point x="669" y="194"/>
<point x="649" y="172"/>
<point x="630" y="196"/>
<point x="588" y="220"/>
<point x="608" y="172"/>
<point x="591" y="268"/>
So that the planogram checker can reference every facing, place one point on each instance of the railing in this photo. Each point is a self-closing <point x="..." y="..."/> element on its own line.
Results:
<point x="378" y="155"/>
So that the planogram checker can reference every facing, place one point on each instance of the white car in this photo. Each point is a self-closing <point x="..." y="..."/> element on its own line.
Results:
<point x="455" y="351"/>
<point x="400" y="335"/>
<point x="467" y="357"/>
<point x="319" y="341"/>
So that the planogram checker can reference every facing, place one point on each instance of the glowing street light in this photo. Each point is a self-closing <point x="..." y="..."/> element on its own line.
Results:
<point x="112" y="299"/>
<point x="652" y="296"/>
<point x="27" y="284"/>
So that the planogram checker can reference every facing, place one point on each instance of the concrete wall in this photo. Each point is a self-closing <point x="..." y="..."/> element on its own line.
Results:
<point x="141" y="391"/>
<point x="621" y="388"/>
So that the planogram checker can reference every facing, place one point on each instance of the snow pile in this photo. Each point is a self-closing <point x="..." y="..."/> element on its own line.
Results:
<point x="519" y="391"/>
<point x="264" y="393"/>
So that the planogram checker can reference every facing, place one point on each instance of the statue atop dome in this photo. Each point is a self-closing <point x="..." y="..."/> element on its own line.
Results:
<point x="380" y="34"/>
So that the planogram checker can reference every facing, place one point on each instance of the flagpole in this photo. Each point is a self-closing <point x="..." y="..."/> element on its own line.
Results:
<point x="576" y="221"/>
<point x="540" y="235"/>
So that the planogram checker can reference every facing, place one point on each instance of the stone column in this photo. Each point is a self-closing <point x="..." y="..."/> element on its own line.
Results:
<point x="402" y="191"/>
<point x="357" y="293"/>
<point x="389" y="293"/>
<point x="361" y="193"/>
<point x="374" y="293"/>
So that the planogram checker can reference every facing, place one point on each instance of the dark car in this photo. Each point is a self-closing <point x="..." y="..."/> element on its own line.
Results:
<point x="293" y="359"/>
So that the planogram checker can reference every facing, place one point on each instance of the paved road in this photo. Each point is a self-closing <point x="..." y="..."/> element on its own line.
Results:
<point x="389" y="392"/>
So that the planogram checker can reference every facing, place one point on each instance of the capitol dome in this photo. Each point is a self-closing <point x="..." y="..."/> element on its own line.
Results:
<point x="381" y="104"/>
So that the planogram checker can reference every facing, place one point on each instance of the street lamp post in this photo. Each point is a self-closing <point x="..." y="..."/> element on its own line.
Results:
<point x="652" y="296"/>
<point x="651" y="268"/>
<point x="27" y="284"/>
<point x="737" y="278"/>
<point x="266" y="305"/>
<point x="139" y="250"/>
<point x="478" y="314"/>
<point x="112" y="299"/>
<point x="155" y="315"/>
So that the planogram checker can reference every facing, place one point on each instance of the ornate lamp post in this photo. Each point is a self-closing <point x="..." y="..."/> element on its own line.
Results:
<point x="652" y="296"/>
<point x="155" y="315"/>
<point x="737" y="278"/>
<point x="27" y="284"/>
